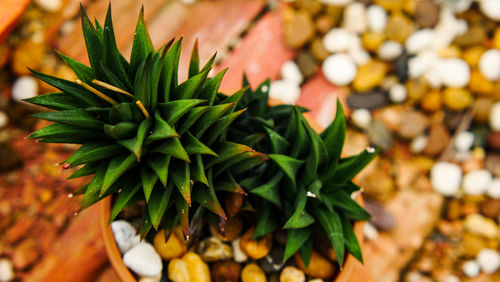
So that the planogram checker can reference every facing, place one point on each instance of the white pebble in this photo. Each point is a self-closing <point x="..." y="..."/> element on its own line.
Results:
<point x="421" y="63"/>
<point x="389" y="50"/>
<point x="150" y="279"/>
<point x="419" y="41"/>
<point x="471" y="268"/>
<point x="488" y="64"/>
<point x="24" y="87"/>
<point x="494" y="189"/>
<point x="361" y="118"/>
<point x="377" y="18"/>
<point x="290" y="71"/>
<point x="336" y="2"/>
<point x="125" y="235"/>
<point x="370" y="231"/>
<point x="464" y="141"/>
<point x="49" y="5"/>
<point x="339" y="39"/>
<point x="447" y="29"/>
<point x="451" y="278"/>
<point x="418" y="144"/>
<point x="4" y="119"/>
<point x="398" y="93"/>
<point x="6" y="270"/>
<point x="143" y="260"/>
<point x="476" y="182"/>
<point x="355" y="17"/>
<point x="490" y="8"/>
<point x="495" y="117"/>
<point x="488" y="260"/>
<point x="238" y="254"/>
<point x="446" y="178"/>
<point x="359" y="55"/>
<point x="454" y="72"/>
<point x="339" y="69"/>
<point x="285" y="91"/>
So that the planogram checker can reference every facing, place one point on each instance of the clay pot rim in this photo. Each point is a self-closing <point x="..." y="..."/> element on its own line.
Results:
<point x="351" y="267"/>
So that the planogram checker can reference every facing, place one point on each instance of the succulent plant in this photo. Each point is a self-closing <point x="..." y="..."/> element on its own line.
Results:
<point x="306" y="185"/>
<point x="144" y="135"/>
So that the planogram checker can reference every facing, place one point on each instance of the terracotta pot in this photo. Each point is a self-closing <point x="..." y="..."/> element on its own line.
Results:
<point x="9" y="14"/>
<point x="353" y="270"/>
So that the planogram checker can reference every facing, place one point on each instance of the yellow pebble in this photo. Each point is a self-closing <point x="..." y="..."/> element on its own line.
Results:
<point x="457" y="98"/>
<point x="252" y="273"/>
<point x="417" y="88"/>
<point x="371" y="41"/>
<point x="173" y="248"/>
<point x="473" y="54"/>
<point x="369" y="75"/>
<point x="391" y="4"/>
<point x="479" y="84"/>
<point x="451" y="51"/>
<point x="496" y="39"/>
<point x="432" y="101"/>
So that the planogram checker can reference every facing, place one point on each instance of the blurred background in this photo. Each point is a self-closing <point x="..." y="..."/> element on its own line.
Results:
<point x="418" y="79"/>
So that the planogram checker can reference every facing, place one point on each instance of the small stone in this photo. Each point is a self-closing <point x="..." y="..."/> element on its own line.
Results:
<point x="494" y="189"/>
<point x="418" y="144"/>
<point x="454" y="72"/>
<point x="488" y="260"/>
<point x="369" y="76"/>
<point x="25" y="254"/>
<point x="189" y="268"/>
<point x="492" y="163"/>
<point x="393" y="5"/>
<point x="419" y="41"/>
<point x="438" y="140"/>
<point x="27" y="54"/>
<point x="476" y="182"/>
<point x="324" y="23"/>
<point x="488" y="64"/>
<point x="422" y="63"/>
<point x="480" y="225"/>
<point x="370" y="231"/>
<point x="143" y="260"/>
<point x="377" y="18"/>
<point x="252" y="273"/>
<point x="474" y="35"/>
<point x="494" y="140"/>
<point x="213" y="249"/>
<point x="6" y="270"/>
<point x="24" y="87"/>
<point x="457" y="98"/>
<point x="480" y="84"/>
<point x="399" y="27"/>
<point x="417" y="88"/>
<point x="369" y="100"/>
<point x="380" y="135"/>
<point x="226" y="271"/>
<point x="451" y="278"/>
<point x="149" y="278"/>
<point x="432" y="101"/>
<point x="471" y="268"/>
<point x="361" y="118"/>
<point x="50" y="6"/>
<point x="401" y="67"/>
<point x="490" y="8"/>
<point x="256" y="249"/>
<point x="290" y="71"/>
<point x="355" y="19"/>
<point x="483" y="109"/>
<point x="319" y="266"/>
<point x="307" y="63"/>
<point x="495" y="117"/>
<point x="339" y="69"/>
<point x="232" y="228"/>
<point x="446" y="178"/>
<point x="339" y="39"/>
<point x="125" y="235"/>
<point x="292" y="274"/>
<point x="398" y="93"/>
<point x="451" y="51"/>
<point x="464" y="141"/>
<point x="273" y="262"/>
<point x="285" y="91"/>
<point x="238" y="254"/>
<point x="312" y="7"/>
<point x="372" y="41"/>
<point x="298" y="29"/>
<point x="359" y="55"/>
<point x="473" y="54"/>
<point x="490" y="208"/>
<point x="381" y="218"/>
<point x="318" y="50"/>
<point x="471" y="244"/>
<point x="174" y="247"/>
<point x="412" y="124"/>
<point x="4" y="119"/>
<point x="426" y="13"/>
<point x="390" y="50"/>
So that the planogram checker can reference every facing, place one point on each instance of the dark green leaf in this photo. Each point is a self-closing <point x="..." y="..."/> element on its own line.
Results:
<point x="149" y="179"/>
<point x="56" y="101"/>
<point x="194" y="146"/>
<point x="91" y="152"/>
<point x="351" y="241"/>
<point x="180" y="175"/>
<point x="158" y="203"/>
<point x="172" y="147"/>
<point x="295" y="240"/>
<point x="159" y="163"/>
<point x="134" y="144"/>
<point x="267" y="222"/>
<point x="142" y="45"/>
<point x="174" y="110"/>
<point x="330" y="221"/>
<point x="78" y="118"/>
<point x="116" y="168"/>
<point x="300" y="217"/>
